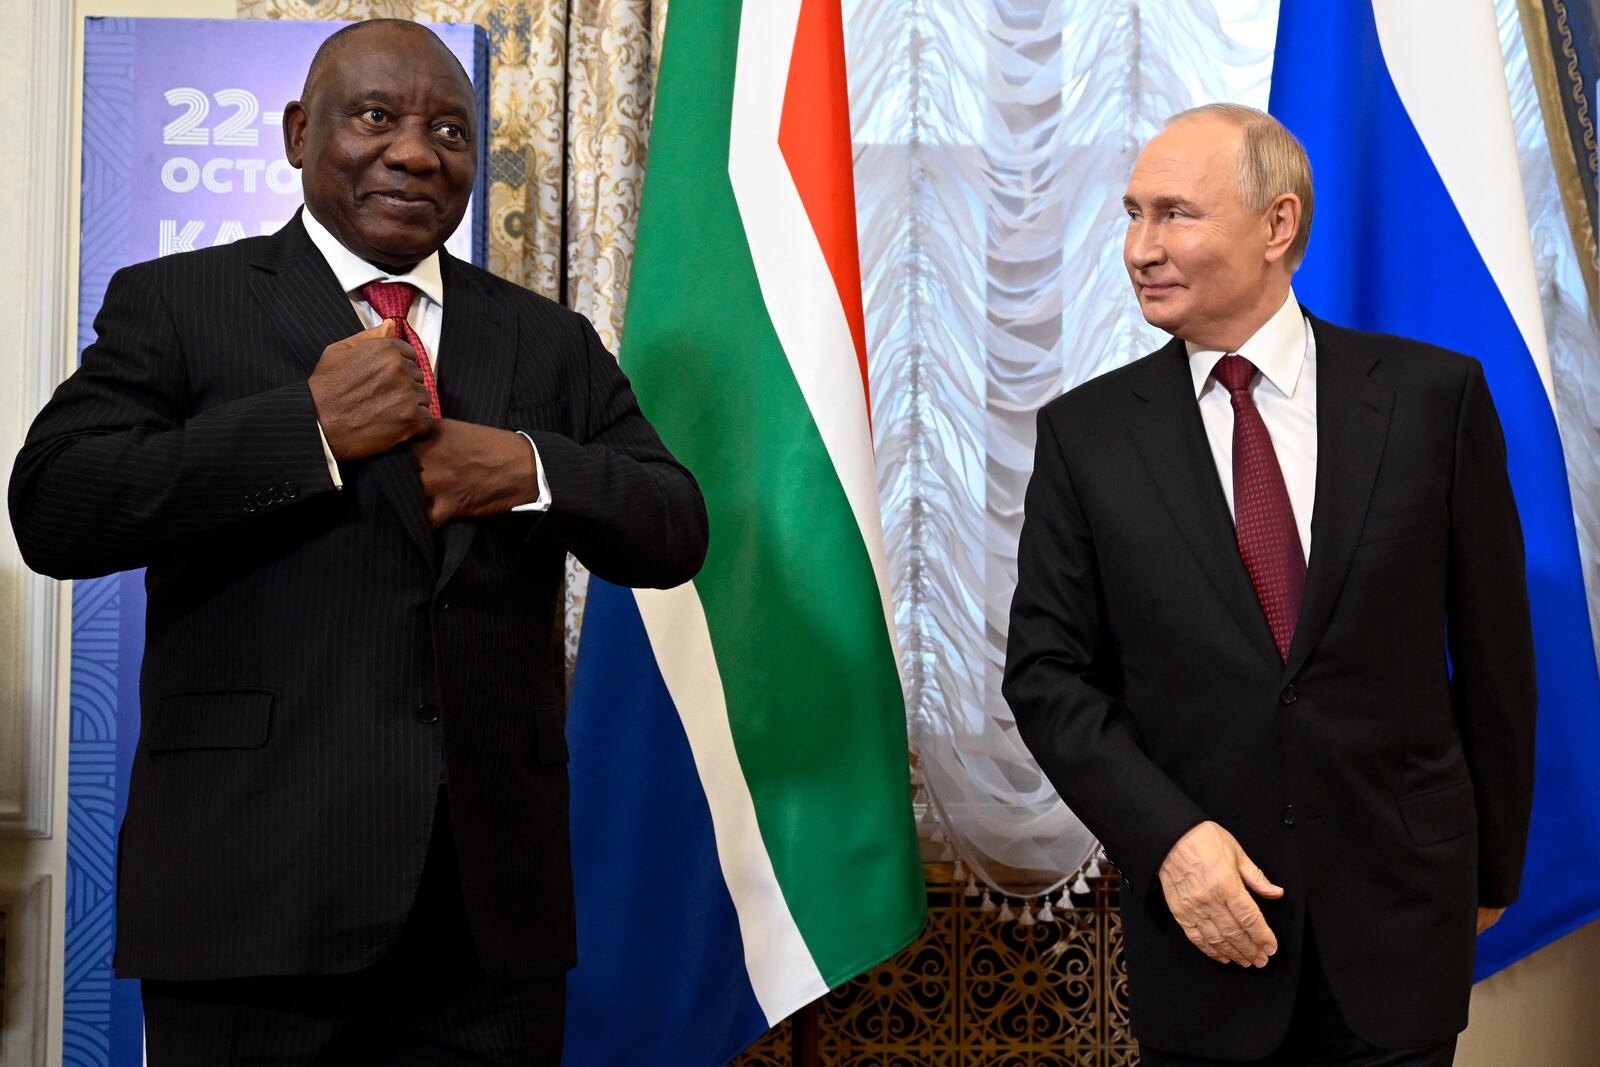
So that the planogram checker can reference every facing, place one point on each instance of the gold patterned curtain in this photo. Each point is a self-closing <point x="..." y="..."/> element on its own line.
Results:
<point x="569" y="116"/>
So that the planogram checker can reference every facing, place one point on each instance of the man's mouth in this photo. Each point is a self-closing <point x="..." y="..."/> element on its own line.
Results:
<point x="400" y="197"/>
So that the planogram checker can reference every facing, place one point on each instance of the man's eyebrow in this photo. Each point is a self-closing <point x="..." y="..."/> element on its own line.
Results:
<point x="1159" y="204"/>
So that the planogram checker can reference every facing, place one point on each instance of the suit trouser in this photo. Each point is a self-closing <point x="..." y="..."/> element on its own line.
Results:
<point x="427" y="1002"/>
<point x="1318" y="1034"/>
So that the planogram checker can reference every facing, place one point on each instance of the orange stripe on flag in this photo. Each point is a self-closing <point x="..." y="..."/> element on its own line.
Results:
<point x="814" y="137"/>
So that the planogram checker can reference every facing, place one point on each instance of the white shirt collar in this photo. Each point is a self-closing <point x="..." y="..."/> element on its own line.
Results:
<point x="1277" y="349"/>
<point x="353" y="272"/>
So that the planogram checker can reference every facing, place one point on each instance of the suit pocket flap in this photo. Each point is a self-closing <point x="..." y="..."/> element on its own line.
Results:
<point x="1439" y="814"/>
<point x="212" y="718"/>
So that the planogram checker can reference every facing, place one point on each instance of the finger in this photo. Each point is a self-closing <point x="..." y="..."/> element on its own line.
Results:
<point x="1199" y="942"/>
<point x="385" y="328"/>
<point x="1256" y="879"/>
<point x="1230" y="934"/>
<point x="1219" y="941"/>
<point x="1237" y="944"/>
<point x="1261" y="942"/>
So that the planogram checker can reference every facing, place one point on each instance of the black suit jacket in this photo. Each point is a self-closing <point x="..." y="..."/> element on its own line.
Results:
<point x="1382" y="776"/>
<point x="315" y="657"/>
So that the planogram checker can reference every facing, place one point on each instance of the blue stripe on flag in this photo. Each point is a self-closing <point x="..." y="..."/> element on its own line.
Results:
<point x="1390" y="253"/>
<point x="661" y="977"/>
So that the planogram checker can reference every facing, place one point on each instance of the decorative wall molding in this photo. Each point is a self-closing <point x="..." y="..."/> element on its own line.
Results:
<point x="28" y="722"/>
<point x="25" y="915"/>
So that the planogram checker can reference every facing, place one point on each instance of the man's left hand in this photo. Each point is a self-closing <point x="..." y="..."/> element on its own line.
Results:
<point x="1487" y="917"/>
<point x="469" y="470"/>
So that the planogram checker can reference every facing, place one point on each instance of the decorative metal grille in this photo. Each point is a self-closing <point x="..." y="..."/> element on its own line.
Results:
<point x="977" y="992"/>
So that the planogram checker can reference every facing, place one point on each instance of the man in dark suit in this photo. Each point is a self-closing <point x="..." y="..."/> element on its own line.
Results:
<point x="1270" y="637"/>
<point x="346" y="836"/>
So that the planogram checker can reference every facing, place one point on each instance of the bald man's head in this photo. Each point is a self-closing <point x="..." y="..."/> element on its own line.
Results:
<point x="386" y="139"/>
<point x="328" y="51"/>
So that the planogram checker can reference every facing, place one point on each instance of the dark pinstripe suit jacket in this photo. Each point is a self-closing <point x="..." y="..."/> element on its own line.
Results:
<point x="313" y="657"/>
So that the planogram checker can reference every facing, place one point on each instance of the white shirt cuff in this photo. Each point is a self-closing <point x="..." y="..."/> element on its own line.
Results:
<point x="333" y="466"/>
<point x="543" y="503"/>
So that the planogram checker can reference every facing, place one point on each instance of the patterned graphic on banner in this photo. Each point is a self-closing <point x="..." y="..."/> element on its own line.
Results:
<point x="182" y="149"/>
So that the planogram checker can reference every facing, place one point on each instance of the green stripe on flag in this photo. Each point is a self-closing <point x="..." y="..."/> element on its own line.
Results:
<point x="816" y="710"/>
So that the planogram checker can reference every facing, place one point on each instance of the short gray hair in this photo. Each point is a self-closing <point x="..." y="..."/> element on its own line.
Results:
<point x="1272" y="161"/>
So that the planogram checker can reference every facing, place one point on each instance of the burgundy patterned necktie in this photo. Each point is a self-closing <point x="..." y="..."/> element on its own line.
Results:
<point x="1263" y="520"/>
<point x="392" y="300"/>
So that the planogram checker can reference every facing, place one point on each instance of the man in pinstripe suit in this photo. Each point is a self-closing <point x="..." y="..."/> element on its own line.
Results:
<point x="346" y="834"/>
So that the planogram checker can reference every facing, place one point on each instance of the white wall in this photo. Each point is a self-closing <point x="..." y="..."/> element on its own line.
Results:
<point x="1539" y="1012"/>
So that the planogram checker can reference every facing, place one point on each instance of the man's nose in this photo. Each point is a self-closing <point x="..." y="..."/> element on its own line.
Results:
<point x="412" y="149"/>
<point x="1143" y="247"/>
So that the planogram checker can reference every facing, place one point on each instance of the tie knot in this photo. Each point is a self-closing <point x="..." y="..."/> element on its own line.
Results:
<point x="1234" y="372"/>
<point x="392" y="300"/>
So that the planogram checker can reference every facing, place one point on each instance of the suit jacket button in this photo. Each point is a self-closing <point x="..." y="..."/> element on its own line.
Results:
<point x="1289" y="695"/>
<point x="264" y="498"/>
<point x="428" y="712"/>
<point x="1288" y="815"/>
<point x="290" y="490"/>
<point x="249" y="502"/>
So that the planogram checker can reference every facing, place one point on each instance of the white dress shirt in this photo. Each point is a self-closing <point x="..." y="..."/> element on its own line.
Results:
<point x="426" y="317"/>
<point x="1284" y="351"/>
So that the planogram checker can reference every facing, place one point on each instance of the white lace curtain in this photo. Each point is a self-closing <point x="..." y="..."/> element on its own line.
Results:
<point x="993" y="141"/>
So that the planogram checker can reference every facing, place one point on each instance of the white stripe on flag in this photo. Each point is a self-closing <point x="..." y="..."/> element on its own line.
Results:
<point x="782" y="971"/>
<point x="1451" y="78"/>
<point x="801" y="297"/>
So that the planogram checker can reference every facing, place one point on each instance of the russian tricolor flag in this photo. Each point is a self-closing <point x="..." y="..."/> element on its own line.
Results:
<point x="1421" y="230"/>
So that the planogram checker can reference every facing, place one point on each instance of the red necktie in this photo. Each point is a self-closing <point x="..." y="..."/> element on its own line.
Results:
<point x="392" y="300"/>
<point x="1269" y="541"/>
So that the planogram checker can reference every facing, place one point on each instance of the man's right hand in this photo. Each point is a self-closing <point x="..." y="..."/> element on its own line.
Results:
<point x="369" y="394"/>
<point x="1208" y="879"/>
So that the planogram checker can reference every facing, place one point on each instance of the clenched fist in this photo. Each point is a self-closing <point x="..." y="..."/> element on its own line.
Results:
<point x="469" y="470"/>
<point x="369" y="394"/>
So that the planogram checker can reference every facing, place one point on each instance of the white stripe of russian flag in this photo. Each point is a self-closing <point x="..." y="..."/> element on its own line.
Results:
<point x="1464" y="121"/>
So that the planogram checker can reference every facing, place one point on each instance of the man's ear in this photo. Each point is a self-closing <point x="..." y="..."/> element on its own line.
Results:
<point x="1282" y="218"/>
<point x="294" y="132"/>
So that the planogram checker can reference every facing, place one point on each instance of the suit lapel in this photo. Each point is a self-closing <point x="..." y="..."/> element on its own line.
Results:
<point x="1352" y="424"/>
<point x="478" y="349"/>
<point x="297" y="287"/>
<point x="1171" y="441"/>
<point x="299" y="291"/>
